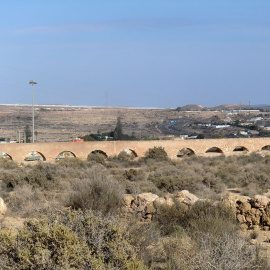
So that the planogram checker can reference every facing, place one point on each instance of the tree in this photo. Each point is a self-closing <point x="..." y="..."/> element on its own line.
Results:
<point x="200" y="136"/>
<point x="87" y="138"/>
<point x="118" y="133"/>
<point x="27" y="133"/>
<point x="36" y="134"/>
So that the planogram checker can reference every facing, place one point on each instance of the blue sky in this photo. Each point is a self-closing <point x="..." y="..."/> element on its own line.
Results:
<point x="143" y="53"/>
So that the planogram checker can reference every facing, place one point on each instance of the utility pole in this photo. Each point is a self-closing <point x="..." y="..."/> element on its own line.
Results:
<point x="240" y="107"/>
<point x="33" y="116"/>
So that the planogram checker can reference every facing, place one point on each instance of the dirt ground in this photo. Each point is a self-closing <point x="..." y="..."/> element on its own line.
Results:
<point x="63" y="123"/>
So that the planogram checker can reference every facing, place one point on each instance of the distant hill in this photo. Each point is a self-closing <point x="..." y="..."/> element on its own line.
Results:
<point x="192" y="107"/>
<point x="231" y="107"/>
<point x="260" y="105"/>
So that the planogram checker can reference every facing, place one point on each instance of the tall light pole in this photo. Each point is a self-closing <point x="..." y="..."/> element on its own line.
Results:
<point x="33" y="117"/>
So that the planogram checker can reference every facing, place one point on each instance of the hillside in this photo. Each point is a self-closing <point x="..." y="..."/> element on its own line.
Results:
<point x="63" y="123"/>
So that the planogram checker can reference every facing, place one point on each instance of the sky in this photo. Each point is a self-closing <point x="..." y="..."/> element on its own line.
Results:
<point x="139" y="53"/>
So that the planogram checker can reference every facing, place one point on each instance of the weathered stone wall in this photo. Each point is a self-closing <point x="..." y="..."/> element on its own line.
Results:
<point x="145" y="205"/>
<point x="252" y="213"/>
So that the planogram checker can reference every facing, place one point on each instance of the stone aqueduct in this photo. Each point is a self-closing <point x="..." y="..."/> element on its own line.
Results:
<point x="49" y="151"/>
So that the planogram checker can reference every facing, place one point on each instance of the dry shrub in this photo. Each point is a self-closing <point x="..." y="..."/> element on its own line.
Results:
<point x="43" y="175"/>
<point x="134" y="175"/>
<point x="217" y="173"/>
<point x="74" y="163"/>
<point x="26" y="201"/>
<point x="228" y="252"/>
<point x="69" y="240"/>
<point x="157" y="153"/>
<point x="170" y="219"/>
<point x="251" y="190"/>
<point x="213" y="183"/>
<point x="98" y="192"/>
<point x="47" y="176"/>
<point x="170" y="178"/>
<point x="214" y="243"/>
<point x="125" y="156"/>
<point x="142" y="235"/>
<point x="97" y="157"/>
<point x="202" y="217"/>
<point x="7" y="164"/>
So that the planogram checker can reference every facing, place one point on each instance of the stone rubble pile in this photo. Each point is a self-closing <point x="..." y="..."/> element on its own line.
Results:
<point x="146" y="204"/>
<point x="252" y="213"/>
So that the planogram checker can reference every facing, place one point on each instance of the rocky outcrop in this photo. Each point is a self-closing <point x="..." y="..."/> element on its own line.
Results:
<point x="185" y="197"/>
<point x="11" y="225"/>
<point x="145" y="205"/>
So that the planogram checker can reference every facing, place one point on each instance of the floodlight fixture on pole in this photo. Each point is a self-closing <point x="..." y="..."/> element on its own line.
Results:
<point x="33" y="116"/>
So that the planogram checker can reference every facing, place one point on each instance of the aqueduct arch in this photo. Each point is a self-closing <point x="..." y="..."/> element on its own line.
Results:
<point x="266" y="148"/>
<point x="65" y="154"/>
<point x="81" y="150"/>
<point x="185" y="152"/>
<point x="35" y="156"/>
<point x="240" y="149"/>
<point x="215" y="150"/>
<point x="5" y="155"/>
<point x="99" y="152"/>
<point x="128" y="152"/>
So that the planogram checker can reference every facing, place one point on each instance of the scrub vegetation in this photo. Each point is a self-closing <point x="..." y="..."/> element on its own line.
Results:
<point x="74" y="220"/>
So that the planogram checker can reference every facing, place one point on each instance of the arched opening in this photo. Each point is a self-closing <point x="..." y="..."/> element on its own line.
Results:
<point x="185" y="152"/>
<point x="64" y="155"/>
<point x="240" y="149"/>
<point x="266" y="148"/>
<point x="5" y="155"/>
<point x="99" y="152"/>
<point x="214" y="150"/>
<point x="35" y="156"/>
<point x="127" y="154"/>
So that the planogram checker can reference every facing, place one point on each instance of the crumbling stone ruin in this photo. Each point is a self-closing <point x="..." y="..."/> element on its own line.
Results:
<point x="145" y="205"/>
<point x="252" y="213"/>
